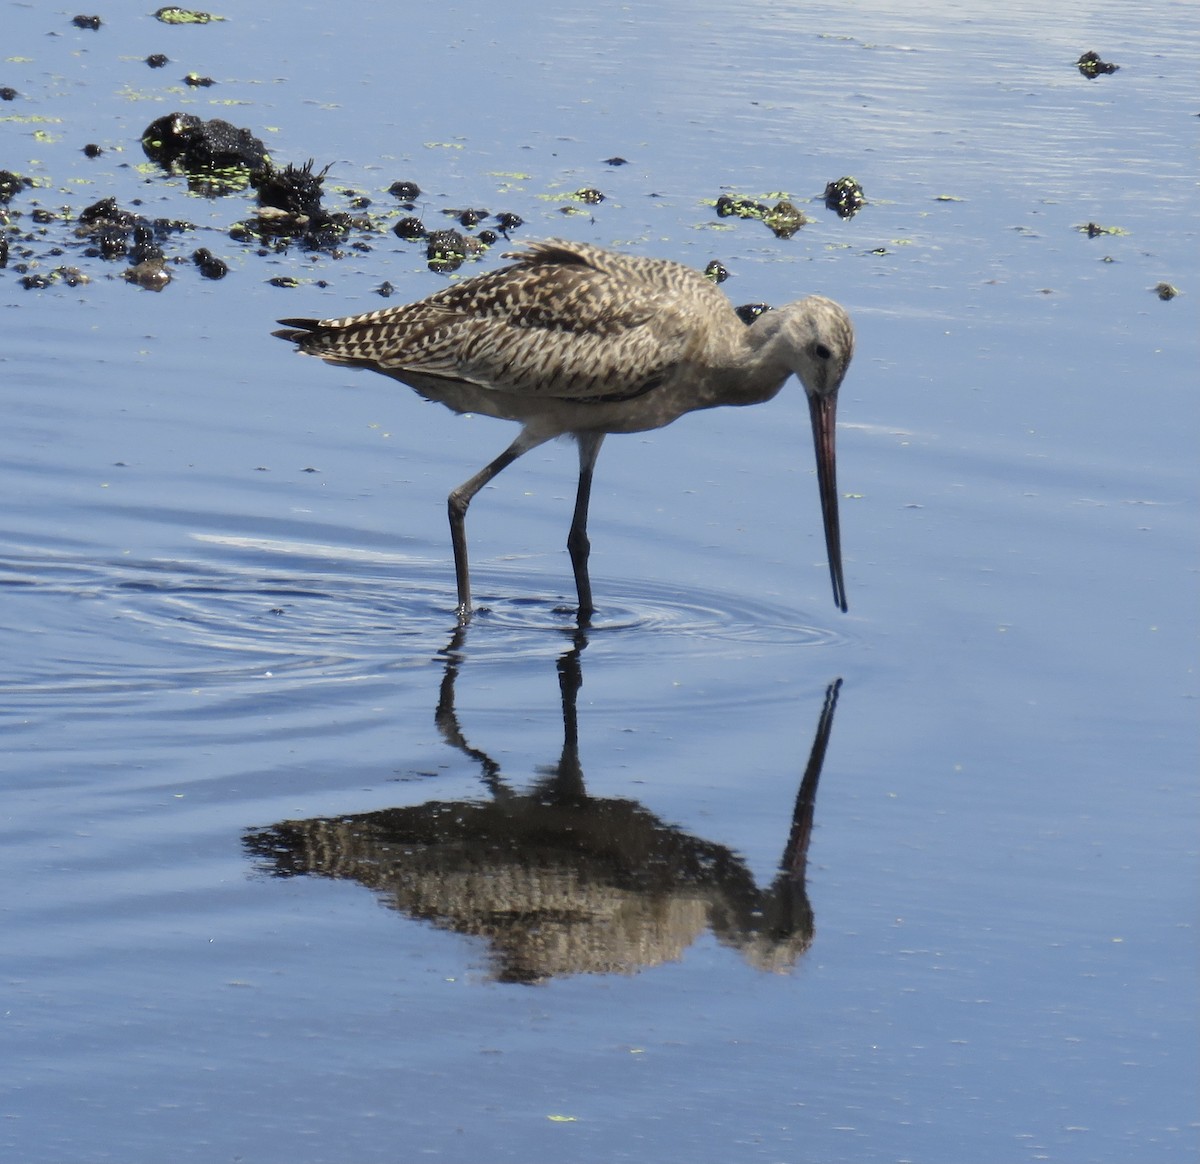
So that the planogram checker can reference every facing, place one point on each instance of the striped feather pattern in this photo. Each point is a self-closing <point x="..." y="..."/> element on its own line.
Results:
<point x="566" y="320"/>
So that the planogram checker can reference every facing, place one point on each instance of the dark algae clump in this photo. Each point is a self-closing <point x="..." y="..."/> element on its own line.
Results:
<point x="1091" y="66"/>
<point x="845" y="197"/>
<point x="216" y="156"/>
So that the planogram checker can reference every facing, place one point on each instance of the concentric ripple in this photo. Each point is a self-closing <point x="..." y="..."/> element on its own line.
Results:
<point x="663" y="612"/>
<point x="80" y="627"/>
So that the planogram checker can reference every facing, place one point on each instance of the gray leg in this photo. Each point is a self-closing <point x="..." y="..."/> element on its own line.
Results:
<point x="577" y="540"/>
<point x="461" y="498"/>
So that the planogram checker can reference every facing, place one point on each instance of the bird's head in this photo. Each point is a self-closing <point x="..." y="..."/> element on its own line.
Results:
<point x="814" y="338"/>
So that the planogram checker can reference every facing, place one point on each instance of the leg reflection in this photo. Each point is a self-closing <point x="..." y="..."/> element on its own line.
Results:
<point x="553" y="880"/>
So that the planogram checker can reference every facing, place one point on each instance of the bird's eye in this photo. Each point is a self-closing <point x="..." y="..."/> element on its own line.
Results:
<point x="821" y="352"/>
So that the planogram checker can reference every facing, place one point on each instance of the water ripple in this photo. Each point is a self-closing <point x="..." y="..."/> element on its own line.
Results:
<point x="310" y="613"/>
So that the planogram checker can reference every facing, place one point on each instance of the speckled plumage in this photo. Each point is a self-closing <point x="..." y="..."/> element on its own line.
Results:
<point x="576" y="339"/>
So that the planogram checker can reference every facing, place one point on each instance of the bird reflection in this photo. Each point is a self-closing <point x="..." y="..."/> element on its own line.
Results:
<point x="556" y="881"/>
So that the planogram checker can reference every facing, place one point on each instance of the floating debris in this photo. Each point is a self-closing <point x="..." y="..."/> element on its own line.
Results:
<point x="217" y="157"/>
<point x="410" y="229"/>
<point x="468" y="218"/>
<point x="615" y="162"/>
<point x="716" y="271"/>
<point x="1091" y="66"/>
<point x="729" y="206"/>
<point x="784" y="219"/>
<point x="92" y="22"/>
<point x="209" y="265"/>
<point x="107" y="228"/>
<point x="175" y="15"/>
<point x="1164" y="291"/>
<point x="290" y="209"/>
<point x="113" y="233"/>
<point x="295" y="190"/>
<point x="198" y="82"/>
<point x="3" y="251"/>
<point x="845" y="197"/>
<point x="749" y="312"/>
<point x="405" y="191"/>
<point x="145" y="249"/>
<point x="588" y="195"/>
<point x="151" y="274"/>
<point x="445" y="250"/>
<point x="107" y="212"/>
<point x="11" y="185"/>
<point x="1094" y="229"/>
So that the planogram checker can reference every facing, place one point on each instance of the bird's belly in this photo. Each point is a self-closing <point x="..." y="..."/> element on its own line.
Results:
<point x="553" y="415"/>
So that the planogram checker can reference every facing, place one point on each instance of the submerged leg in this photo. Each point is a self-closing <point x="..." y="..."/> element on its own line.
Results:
<point x="577" y="540"/>
<point x="461" y="498"/>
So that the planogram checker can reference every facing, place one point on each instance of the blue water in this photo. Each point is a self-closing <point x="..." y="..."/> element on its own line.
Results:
<point x="226" y="613"/>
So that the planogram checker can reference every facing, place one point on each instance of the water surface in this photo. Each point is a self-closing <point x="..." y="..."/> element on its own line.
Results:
<point x="233" y="687"/>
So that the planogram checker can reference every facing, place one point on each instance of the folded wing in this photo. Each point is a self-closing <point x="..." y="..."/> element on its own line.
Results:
<point x="566" y="320"/>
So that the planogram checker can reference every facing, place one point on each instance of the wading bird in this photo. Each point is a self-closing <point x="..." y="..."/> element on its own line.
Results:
<point x="575" y="340"/>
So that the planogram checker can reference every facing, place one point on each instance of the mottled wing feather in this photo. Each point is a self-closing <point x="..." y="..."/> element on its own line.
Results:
<point x="566" y="320"/>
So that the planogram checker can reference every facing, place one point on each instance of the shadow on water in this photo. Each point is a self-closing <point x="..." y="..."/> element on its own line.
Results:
<point x="556" y="881"/>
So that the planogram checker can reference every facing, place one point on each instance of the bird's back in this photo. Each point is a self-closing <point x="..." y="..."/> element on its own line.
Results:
<point x="566" y="321"/>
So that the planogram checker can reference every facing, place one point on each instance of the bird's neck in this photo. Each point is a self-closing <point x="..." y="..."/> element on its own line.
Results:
<point x="750" y="364"/>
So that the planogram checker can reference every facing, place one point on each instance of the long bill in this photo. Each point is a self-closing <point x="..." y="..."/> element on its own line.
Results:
<point x="823" y="410"/>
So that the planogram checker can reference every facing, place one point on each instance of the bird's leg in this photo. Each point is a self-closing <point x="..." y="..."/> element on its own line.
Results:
<point x="577" y="540"/>
<point x="458" y="501"/>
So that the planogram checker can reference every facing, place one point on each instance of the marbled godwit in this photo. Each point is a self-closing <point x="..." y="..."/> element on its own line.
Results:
<point x="575" y="340"/>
